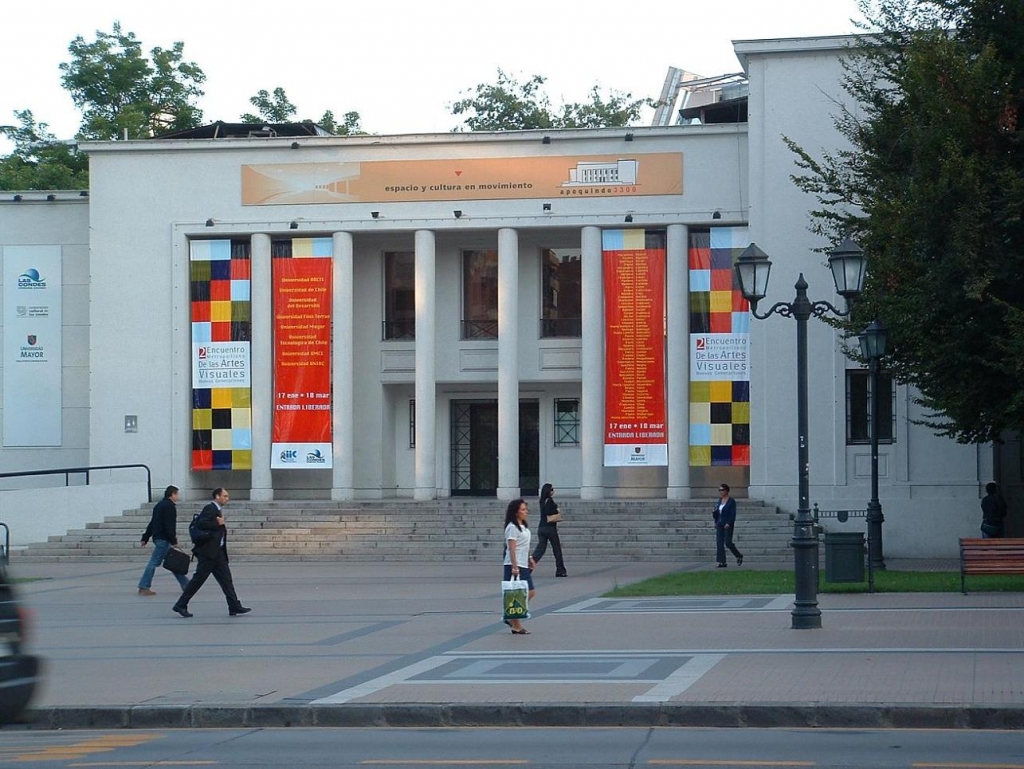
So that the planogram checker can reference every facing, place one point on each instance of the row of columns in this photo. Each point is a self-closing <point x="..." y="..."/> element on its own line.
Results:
<point x="592" y="365"/>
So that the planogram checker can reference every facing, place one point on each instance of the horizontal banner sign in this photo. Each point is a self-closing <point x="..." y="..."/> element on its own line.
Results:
<point x="400" y="181"/>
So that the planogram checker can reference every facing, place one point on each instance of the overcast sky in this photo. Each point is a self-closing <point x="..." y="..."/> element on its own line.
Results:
<point x="399" y="63"/>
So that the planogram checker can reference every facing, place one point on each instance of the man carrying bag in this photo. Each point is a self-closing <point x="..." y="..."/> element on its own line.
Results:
<point x="162" y="530"/>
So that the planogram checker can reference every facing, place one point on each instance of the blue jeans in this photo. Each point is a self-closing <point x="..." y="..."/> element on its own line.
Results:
<point x="160" y="548"/>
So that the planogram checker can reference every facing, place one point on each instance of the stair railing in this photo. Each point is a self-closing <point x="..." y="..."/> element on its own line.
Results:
<point x="67" y="472"/>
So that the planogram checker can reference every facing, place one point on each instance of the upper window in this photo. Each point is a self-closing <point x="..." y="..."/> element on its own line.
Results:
<point x="858" y="407"/>
<point x="479" y="294"/>
<point x="561" y="284"/>
<point x="399" y="295"/>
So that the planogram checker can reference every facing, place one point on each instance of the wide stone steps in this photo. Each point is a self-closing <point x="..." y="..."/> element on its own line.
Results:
<point x="464" y="529"/>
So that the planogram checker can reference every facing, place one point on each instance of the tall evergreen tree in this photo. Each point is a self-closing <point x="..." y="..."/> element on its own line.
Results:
<point x="932" y="185"/>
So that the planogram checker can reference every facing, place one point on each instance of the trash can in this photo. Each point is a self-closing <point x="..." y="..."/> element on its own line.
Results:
<point x="844" y="557"/>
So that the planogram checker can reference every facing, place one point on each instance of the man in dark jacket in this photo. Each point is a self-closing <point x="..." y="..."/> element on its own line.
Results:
<point x="212" y="553"/>
<point x="163" y="530"/>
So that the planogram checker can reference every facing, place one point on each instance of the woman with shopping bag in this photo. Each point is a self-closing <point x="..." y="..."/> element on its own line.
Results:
<point x="518" y="561"/>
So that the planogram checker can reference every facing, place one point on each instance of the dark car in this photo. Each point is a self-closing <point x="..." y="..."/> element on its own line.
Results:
<point x="19" y="672"/>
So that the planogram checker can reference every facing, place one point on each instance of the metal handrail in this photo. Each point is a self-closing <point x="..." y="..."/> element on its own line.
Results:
<point x="68" y="471"/>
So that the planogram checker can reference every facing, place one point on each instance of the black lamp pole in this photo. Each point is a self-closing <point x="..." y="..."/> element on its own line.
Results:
<point x="752" y="269"/>
<point x="872" y="346"/>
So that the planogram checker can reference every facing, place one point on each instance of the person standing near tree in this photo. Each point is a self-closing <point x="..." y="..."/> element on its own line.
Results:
<point x="725" y="523"/>
<point x="993" y="511"/>
<point x="212" y="553"/>
<point x="163" y="530"/>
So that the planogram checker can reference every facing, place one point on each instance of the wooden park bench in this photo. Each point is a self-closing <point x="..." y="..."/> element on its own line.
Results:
<point x="990" y="556"/>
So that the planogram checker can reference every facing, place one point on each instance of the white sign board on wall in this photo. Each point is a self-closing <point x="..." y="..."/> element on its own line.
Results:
<point x="32" y="346"/>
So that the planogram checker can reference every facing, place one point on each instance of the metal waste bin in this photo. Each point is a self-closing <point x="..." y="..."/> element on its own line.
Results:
<point x="844" y="557"/>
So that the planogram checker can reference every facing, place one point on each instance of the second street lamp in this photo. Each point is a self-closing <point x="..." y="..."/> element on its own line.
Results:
<point x="872" y="347"/>
<point x="752" y="270"/>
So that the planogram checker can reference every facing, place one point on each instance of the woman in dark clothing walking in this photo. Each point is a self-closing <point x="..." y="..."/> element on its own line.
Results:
<point x="547" y="531"/>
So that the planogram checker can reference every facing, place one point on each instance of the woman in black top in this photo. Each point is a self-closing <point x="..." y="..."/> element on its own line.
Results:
<point x="548" y="530"/>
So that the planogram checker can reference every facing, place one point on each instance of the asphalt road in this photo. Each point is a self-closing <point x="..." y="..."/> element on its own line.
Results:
<point x="511" y="747"/>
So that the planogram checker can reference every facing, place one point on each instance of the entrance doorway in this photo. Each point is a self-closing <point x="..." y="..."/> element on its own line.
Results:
<point x="474" y="447"/>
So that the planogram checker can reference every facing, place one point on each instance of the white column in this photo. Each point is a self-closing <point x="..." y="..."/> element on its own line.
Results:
<point x="343" y="369"/>
<point x="677" y="363"/>
<point x="262" y="377"/>
<point x="508" y="363"/>
<point x="592" y="363"/>
<point x="426" y="388"/>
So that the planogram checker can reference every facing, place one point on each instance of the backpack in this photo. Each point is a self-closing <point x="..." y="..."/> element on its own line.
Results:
<point x="197" y="535"/>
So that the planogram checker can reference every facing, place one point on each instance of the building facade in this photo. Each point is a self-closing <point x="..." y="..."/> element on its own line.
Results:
<point x="454" y="297"/>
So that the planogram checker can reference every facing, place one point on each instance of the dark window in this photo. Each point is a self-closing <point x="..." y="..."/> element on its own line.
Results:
<point x="399" y="295"/>
<point x="858" y="408"/>
<point x="479" y="294"/>
<point x="567" y="422"/>
<point x="562" y="302"/>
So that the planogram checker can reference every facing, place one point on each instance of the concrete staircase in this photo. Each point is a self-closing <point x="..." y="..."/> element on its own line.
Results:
<point x="457" y="528"/>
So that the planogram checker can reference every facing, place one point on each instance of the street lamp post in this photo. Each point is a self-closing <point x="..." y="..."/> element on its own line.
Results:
<point x="872" y="347"/>
<point x="753" y="269"/>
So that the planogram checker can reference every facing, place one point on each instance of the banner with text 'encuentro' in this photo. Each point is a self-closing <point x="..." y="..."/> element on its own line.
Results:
<point x="219" y="284"/>
<point x="634" y="313"/>
<point x="301" y="436"/>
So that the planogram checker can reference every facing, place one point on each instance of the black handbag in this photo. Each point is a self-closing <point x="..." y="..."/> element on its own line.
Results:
<point x="176" y="561"/>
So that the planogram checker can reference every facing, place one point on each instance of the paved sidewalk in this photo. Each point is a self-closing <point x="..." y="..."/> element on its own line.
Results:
<point x="410" y="644"/>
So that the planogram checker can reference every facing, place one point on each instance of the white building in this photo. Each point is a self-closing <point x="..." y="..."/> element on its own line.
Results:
<point x="466" y="336"/>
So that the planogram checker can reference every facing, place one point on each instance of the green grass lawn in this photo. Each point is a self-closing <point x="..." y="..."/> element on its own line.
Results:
<point x="737" y="582"/>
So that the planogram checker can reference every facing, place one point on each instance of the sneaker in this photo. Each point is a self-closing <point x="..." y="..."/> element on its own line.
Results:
<point x="146" y="591"/>
<point x="239" y="610"/>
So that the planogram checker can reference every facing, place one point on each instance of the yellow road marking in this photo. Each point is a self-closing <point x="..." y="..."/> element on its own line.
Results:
<point x="83" y="749"/>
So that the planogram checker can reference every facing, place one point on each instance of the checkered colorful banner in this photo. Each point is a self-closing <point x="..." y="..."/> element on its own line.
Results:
<point x="719" y="351"/>
<point x="220" y="272"/>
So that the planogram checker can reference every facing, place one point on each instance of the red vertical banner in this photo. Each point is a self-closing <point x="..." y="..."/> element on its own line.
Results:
<point x="634" y="312"/>
<point x="301" y="436"/>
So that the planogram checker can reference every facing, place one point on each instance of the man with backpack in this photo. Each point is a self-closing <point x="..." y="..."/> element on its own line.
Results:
<point x="210" y="537"/>
<point x="163" y="530"/>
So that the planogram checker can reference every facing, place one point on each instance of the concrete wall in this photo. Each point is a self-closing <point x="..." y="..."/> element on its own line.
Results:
<point x="64" y="223"/>
<point x="33" y="515"/>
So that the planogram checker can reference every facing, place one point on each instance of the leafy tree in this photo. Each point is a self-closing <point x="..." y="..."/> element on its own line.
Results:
<point x="39" y="161"/>
<point x="278" y="108"/>
<point x="932" y="185"/>
<point x="272" y="109"/>
<point x="120" y="90"/>
<point x="509" y="105"/>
